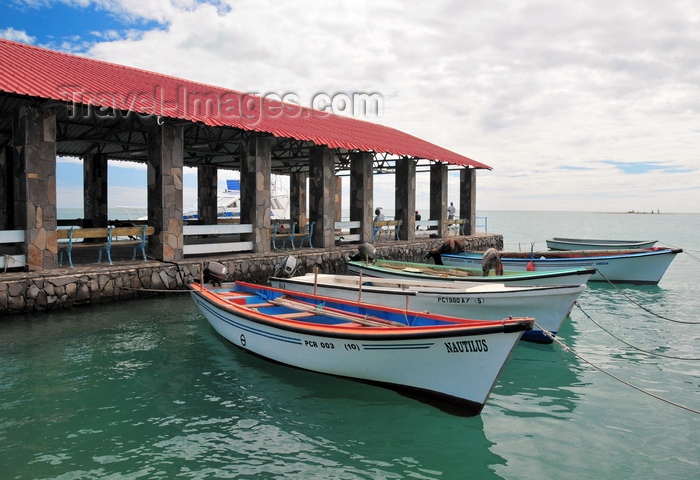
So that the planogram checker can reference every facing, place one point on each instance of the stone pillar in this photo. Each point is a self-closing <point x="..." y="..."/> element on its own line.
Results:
<point x="467" y="199"/>
<point x="405" y="202"/>
<point x="297" y="199"/>
<point x="7" y="196"/>
<point x="165" y="162"/>
<point x="321" y="195"/>
<point x="256" y="168"/>
<point x="34" y="140"/>
<point x="206" y="194"/>
<point x="338" y="200"/>
<point x="95" y="207"/>
<point x="438" y="196"/>
<point x="361" y="186"/>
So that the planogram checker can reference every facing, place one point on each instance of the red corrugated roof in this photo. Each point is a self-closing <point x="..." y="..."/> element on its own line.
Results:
<point x="38" y="72"/>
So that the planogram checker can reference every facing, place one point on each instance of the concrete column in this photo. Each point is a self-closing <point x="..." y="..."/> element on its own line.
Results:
<point x="405" y="202"/>
<point x="361" y="186"/>
<point x="34" y="140"/>
<point x="467" y="199"/>
<point x="95" y="207"/>
<point x="297" y="199"/>
<point x="438" y="196"/>
<point x="321" y="195"/>
<point x="165" y="162"/>
<point x="206" y="194"/>
<point x="256" y="168"/>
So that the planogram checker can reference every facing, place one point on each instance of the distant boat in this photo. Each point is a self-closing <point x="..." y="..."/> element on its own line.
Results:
<point x="448" y="361"/>
<point x="560" y="243"/>
<point x="425" y="271"/>
<point x="228" y="203"/>
<point x="549" y="305"/>
<point x="638" y="266"/>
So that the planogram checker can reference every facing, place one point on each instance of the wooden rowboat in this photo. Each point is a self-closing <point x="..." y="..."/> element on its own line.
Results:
<point x="450" y="362"/>
<point x="638" y="266"/>
<point x="561" y="243"/>
<point x="548" y="304"/>
<point x="425" y="271"/>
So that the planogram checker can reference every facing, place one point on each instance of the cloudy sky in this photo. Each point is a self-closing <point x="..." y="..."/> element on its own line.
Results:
<point x="582" y="106"/>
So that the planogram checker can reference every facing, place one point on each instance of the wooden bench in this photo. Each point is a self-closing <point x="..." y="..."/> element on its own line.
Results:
<point x="136" y="236"/>
<point x="307" y="235"/>
<point x="456" y="225"/>
<point x="386" y="227"/>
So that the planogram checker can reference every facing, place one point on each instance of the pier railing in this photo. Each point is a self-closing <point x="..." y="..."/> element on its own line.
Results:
<point x="214" y="239"/>
<point x="8" y="256"/>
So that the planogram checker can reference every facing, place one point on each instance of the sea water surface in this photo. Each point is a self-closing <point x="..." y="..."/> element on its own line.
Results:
<point x="146" y="389"/>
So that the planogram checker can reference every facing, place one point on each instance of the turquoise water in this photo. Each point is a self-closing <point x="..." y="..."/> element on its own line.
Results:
<point x="146" y="389"/>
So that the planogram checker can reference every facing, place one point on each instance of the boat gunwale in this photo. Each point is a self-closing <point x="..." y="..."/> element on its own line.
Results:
<point x="455" y="328"/>
<point x="513" y="277"/>
<point x="514" y="290"/>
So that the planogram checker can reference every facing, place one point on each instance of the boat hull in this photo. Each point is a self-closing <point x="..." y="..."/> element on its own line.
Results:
<point x="640" y="268"/>
<point x="548" y="305"/>
<point x="455" y="369"/>
<point x="418" y="271"/>
<point x="560" y="243"/>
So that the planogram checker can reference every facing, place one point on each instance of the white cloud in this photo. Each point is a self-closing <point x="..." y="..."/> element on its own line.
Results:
<point x="16" y="35"/>
<point x="526" y="87"/>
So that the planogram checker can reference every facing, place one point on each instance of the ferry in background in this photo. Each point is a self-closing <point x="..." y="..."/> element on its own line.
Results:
<point x="228" y="203"/>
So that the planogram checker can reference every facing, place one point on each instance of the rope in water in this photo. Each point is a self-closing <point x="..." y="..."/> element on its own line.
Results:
<point x="642" y="306"/>
<point x="624" y="382"/>
<point x="629" y="344"/>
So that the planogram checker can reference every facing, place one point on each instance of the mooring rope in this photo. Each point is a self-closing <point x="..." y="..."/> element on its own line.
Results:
<point x="642" y="306"/>
<point x="624" y="382"/>
<point x="629" y="344"/>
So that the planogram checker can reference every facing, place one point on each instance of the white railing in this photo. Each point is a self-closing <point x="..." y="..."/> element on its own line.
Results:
<point x="11" y="260"/>
<point x="342" y="231"/>
<point x="213" y="238"/>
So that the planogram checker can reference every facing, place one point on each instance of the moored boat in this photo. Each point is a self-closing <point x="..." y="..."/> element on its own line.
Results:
<point x="450" y="362"/>
<point x="425" y="271"/>
<point x="562" y="243"/>
<point x="638" y="266"/>
<point x="549" y="305"/>
<point x="228" y="203"/>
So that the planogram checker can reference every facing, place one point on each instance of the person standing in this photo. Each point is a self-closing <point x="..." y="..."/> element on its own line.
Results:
<point x="451" y="210"/>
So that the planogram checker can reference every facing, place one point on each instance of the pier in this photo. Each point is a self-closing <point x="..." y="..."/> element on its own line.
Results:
<point x="90" y="283"/>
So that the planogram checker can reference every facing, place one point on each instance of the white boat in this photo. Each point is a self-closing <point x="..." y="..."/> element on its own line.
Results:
<point x="450" y="362"/>
<point x="561" y="243"/>
<point x="549" y="305"/>
<point x="638" y="266"/>
<point x="228" y="203"/>
<point x="425" y="271"/>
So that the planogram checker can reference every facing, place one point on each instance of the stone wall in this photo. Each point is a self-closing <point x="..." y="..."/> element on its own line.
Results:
<point x="66" y="288"/>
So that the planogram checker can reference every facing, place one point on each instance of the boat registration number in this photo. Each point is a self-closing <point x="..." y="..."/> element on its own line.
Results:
<point x="462" y="300"/>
